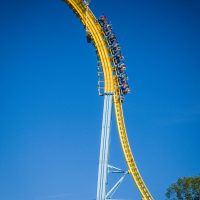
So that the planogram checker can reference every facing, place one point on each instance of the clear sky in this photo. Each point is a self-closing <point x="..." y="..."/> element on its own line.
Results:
<point x="50" y="113"/>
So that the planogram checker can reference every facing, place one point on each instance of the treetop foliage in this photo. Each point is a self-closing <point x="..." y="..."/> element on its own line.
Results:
<point x="186" y="188"/>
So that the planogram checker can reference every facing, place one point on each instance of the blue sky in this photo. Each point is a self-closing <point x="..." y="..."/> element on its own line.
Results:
<point x="51" y="114"/>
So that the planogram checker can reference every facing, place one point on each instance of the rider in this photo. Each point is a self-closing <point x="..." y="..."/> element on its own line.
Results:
<point x="123" y="75"/>
<point x="111" y="36"/>
<point x="122" y="80"/>
<point x="108" y="32"/>
<point x="115" y="46"/>
<point x="124" y="86"/>
<point x="107" y="27"/>
<point x="112" y="39"/>
<point x="121" y="67"/>
<point x="126" y="90"/>
<point x="116" y="50"/>
<point x="102" y="20"/>
<point x="119" y="58"/>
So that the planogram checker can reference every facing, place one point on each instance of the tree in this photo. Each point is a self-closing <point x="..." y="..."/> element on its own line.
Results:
<point x="186" y="188"/>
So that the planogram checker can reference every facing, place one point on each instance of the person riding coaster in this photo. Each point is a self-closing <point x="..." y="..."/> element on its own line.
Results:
<point x="112" y="39"/>
<point x="121" y="67"/>
<point x="124" y="86"/>
<point x="111" y="36"/>
<point x="108" y="32"/>
<point x="107" y="27"/>
<point x="118" y="58"/>
<point x="116" y="45"/>
<point x="126" y="90"/>
<point x="115" y="50"/>
<point x="123" y="75"/>
<point x="102" y="20"/>
<point x="122" y="80"/>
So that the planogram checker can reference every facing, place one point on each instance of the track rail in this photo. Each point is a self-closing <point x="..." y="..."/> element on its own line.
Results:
<point x="111" y="86"/>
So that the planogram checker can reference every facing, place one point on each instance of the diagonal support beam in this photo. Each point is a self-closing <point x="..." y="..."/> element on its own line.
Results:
<point x="112" y="169"/>
<point x="116" y="186"/>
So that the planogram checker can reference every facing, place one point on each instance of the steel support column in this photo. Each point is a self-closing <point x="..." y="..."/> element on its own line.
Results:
<point x="104" y="148"/>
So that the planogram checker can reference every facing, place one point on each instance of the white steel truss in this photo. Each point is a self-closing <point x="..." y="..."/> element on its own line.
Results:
<point x="104" y="167"/>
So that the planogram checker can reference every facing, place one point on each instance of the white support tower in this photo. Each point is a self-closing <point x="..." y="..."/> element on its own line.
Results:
<point x="104" y="167"/>
<point x="104" y="148"/>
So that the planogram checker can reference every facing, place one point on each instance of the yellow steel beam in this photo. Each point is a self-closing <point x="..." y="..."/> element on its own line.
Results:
<point x="111" y="85"/>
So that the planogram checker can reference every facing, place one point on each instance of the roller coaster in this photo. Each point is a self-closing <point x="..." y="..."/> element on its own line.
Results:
<point x="113" y="85"/>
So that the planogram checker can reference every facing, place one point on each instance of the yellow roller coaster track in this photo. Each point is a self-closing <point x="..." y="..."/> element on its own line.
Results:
<point x="111" y="86"/>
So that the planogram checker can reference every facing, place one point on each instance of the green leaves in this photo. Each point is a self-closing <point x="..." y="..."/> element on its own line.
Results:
<point x="186" y="188"/>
